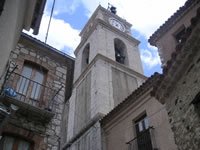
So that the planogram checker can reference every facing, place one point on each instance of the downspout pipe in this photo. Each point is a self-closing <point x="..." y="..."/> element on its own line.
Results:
<point x="39" y="18"/>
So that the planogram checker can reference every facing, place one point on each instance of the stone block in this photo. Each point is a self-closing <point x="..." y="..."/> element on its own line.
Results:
<point x="60" y="69"/>
<point x="44" y="59"/>
<point x="51" y="63"/>
<point x="62" y="80"/>
<point x="54" y="148"/>
<point x="57" y="86"/>
<point x="62" y="93"/>
<point x="59" y="74"/>
<point x="20" y="45"/>
<point x="56" y="82"/>
<point x="58" y="110"/>
<point x="14" y="56"/>
<point x="56" y="121"/>
<point x="33" y="54"/>
<point x="53" y="140"/>
<point x="23" y="50"/>
<point x="64" y="77"/>
<point x="59" y="116"/>
<point x="16" y="51"/>
<point x="50" y="132"/>
<point x="57" y="130"/>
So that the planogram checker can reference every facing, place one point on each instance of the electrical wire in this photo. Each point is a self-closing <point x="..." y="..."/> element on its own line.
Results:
<point x="50" y="21"/>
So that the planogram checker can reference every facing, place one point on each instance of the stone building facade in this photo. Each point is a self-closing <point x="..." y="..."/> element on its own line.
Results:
<point x="37" y="122"/>
<point x="178" y="88"/>
<point x="172" y="29"/>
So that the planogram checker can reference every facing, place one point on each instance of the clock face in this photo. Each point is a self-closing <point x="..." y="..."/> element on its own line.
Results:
<point x="117" y="24"/>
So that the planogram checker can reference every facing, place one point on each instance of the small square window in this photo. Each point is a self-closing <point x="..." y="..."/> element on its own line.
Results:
<point x="178" y="35"/>
<point x="196" y="100"/>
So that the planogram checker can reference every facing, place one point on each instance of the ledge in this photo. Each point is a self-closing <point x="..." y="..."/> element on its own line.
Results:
<point x="110" y="61"/>
<point x="29" y="110"/>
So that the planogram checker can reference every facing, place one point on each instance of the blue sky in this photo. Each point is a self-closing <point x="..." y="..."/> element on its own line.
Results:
<point x="70" y="16"/>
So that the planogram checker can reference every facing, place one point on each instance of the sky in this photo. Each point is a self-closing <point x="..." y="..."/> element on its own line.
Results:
<point x="70" y="16"/>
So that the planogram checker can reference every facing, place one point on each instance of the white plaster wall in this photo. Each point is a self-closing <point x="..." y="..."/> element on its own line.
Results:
<point x="105" y="47"/>
<point x="77" y="67"/>
<point x="104" y="97"/>
<point x="90" y="140"/>
<point x="71" y="117"/>
<point x="102" y="42"/>
<point x="121" y="128"/>
<point x="11" y="24"/>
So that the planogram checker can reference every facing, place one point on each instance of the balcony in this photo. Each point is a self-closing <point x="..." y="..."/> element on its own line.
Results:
<point x="32" y="98"/>
<point x="145" y="141"/>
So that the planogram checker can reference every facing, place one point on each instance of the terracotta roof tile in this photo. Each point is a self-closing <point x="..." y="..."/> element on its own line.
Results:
<point x="189" y="4"/>
<point x="182" y="51"/>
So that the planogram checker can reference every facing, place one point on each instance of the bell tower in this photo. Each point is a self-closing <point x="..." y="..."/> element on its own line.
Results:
<point x="108" y="68"/>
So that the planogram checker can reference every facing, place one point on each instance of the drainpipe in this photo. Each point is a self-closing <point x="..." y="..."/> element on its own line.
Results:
<point x="39" y="18"/>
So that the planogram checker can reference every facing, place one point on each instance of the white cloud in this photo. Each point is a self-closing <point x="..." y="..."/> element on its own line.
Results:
<point x="152" y="47"/>
<point x="62" y="6"/>
<point x="61" y="35"/>
<point x="145" y="15"/>
<point x="150" y="58"/>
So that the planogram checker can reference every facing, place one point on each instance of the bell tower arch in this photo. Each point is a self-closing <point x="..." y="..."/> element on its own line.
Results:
<point x="120" y="52"/>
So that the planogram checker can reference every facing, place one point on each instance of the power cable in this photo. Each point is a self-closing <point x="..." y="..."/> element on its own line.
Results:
<point x="50" y="21"/>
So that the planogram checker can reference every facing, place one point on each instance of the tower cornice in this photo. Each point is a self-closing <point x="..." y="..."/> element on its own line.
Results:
<point x="110" y="61"/>
<point x="108" y="26"/>
<point x="100" y="8"/>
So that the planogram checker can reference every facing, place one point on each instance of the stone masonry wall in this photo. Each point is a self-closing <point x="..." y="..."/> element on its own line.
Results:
<point x="56" y="76"/>
<point x="184" y="116"/>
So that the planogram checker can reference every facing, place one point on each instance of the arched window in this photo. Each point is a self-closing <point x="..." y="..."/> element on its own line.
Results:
<point x="85" y="56"/>
<point x="120" y="52"/>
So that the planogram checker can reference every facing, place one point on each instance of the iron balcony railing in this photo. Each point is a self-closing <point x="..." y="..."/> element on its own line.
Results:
<point x="144" y="141"/>
<point x="28" y="91"/>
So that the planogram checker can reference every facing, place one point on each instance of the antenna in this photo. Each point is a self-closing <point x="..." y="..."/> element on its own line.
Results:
<point x="49" y="21"/>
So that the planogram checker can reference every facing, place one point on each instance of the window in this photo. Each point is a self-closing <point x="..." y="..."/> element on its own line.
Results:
<point x="179" y="34"/>
<point x="196" y="103"/>
<point x="14" y="143"/>
<point x="142" y="125"/>
<point x="85" y="56"/>
<point x="30" y="87"/>
<point x="143" y="134"/>
<point x="120" y="52"/>
<point x="196" y="99"/>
